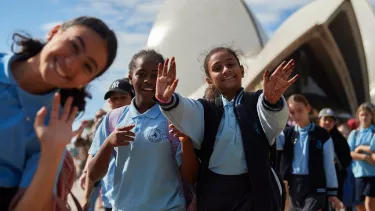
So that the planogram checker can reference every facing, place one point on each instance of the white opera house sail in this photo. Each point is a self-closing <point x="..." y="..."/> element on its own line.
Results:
<point x="332" y="42"/>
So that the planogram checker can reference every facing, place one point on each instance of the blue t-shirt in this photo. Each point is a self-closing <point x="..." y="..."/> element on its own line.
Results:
<point x="146" y="171"/>
<point x="364" y="137"/>
<point x="20" y="148"/>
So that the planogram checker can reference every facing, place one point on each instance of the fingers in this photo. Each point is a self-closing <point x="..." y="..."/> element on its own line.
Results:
<point x="292" y="80"/>
<point x="266" y="75"/>
<point x="79" y="131"/>
<point x="125" y="128"/>
<point x="40" y="117"/>
<point x="173" y="87"/>
<point x="287" y="70"/>
<point x="66" y="110"/>
<point x="279" y="68"/>
<point x="171" y="68"/>
<point x="55" y="109"/>
<point x="165" y="67"/>
<point x="160" y="70"/>
<point x="83" y="181"/>
<point x="126" y="133"/>
<point x="73" y="115"/>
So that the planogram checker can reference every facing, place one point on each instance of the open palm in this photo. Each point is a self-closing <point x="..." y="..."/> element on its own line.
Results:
<point x="58" y="132"/>
<point x="166" y="82"/>
<point x="275" y="85"/>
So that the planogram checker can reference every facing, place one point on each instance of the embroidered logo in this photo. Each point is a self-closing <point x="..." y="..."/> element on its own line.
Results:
<point x="115" y="84"/>
<point x="154" y="135"/>
<point x="319" y="144"/>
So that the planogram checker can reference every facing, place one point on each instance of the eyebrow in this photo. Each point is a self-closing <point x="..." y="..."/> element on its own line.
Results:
<point x="83" y="45"/>
<point x="228" y="59"/>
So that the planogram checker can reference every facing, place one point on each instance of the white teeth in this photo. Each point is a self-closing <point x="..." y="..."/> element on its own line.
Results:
<point x="59" y="70"/>
<point x="148" y="89"/>
<point x="228" y="77"/>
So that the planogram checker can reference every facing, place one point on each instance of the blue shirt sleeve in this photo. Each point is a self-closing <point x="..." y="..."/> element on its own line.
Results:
<point x="351" y="141"/>
<point x="100" y="135"/>
<point x="329" y="164"/>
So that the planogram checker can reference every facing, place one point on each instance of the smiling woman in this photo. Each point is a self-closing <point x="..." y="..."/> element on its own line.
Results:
<point x="35" y="82"/>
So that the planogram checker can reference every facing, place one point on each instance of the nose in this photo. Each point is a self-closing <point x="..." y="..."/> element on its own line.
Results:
<point x="72" y="65"/>
<point x="226" y="69"/>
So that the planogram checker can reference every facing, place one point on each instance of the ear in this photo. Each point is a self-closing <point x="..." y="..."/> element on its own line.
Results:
<point x="308" y="107"/>
<point x="242" y="71"/>
<point x="208" y="81"/>
<point x="130" y="78"/>
<point x="53" y="32"/>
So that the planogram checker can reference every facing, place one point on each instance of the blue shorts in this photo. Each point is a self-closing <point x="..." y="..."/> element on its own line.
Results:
<point x="364" y="186"/>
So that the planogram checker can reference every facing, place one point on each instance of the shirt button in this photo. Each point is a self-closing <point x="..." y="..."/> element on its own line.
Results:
<point x="28" y="119"/>
<point x="136" y="130"/>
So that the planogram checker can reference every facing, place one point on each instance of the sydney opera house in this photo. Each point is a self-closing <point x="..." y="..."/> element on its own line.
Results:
<point x="332" y="42"/>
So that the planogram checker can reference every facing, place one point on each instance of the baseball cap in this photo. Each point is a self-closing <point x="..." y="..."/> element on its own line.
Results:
<point x="122" y="86"/>
<point x="327" y="112"/>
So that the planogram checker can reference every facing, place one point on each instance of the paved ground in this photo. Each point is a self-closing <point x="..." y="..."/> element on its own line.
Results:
<point x="78" y="192"/>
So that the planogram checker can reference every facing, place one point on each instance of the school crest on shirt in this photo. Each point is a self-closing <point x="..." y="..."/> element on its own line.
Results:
<point x="154" y="135"/>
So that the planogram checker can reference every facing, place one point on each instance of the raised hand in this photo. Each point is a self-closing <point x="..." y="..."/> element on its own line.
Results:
<point x="275" y="85"/>
<point x="121" y="136"/>
<point x="166" y="82"/>
<point x="58" y="133"/>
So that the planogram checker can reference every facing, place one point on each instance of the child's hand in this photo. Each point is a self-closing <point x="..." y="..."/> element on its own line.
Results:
<point x="166" y="82"/>
<point x="58" y="133"/>
<point x="337" y="204"/>
<point x="176" y="133"/>
<point x="121" y="136"/>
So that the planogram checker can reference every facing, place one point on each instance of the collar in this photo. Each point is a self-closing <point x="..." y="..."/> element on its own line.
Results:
<point x="151" y="113"/>
<point x="6" y="76"/>
<point x="310" y="127"/>
<point x="236" y="100"/>
<point x="371" y="128"/>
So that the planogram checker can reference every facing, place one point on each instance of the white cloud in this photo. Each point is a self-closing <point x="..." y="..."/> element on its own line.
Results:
<point x="48" y="26"/>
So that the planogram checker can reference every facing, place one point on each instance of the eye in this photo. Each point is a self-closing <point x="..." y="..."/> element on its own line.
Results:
<point x="88" y="67"/>
<point x="74" y="47"/>
<point x="216" y="68"/>
<point x="230" y="65"/>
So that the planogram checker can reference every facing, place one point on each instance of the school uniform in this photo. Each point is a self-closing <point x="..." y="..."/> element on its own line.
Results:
<point x="20" y="148"/>
<point x="146" y="175"/>
<point x="307" y="163"/>
<point x="364" y="172"/>
<point x="106" y="183"/>
<point x="235" y="172"/>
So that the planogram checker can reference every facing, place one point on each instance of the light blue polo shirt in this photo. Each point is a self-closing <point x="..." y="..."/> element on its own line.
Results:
<point x="20" y="148"/>
<point x="364" y="137"/>
<point x="107" y="181"/>
<point x="146" y="171"/>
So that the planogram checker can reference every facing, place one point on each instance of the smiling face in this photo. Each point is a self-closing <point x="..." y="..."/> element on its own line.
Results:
<point x="224" y="72"/>
<point x="72" y="57"/>
<point x="143" y="77"/>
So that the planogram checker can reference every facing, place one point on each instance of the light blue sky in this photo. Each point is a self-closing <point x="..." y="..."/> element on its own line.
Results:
<point x="131" y="19"/>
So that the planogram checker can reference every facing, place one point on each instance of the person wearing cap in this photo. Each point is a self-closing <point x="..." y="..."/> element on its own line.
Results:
<point x="119" y="94"/>
<point x="327" y="120"/>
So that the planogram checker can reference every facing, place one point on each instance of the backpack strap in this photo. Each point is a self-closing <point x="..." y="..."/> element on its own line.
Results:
<point x="113" y="118"/>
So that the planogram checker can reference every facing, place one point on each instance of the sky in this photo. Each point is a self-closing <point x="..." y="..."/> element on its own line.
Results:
<point x="131" y="20"/>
